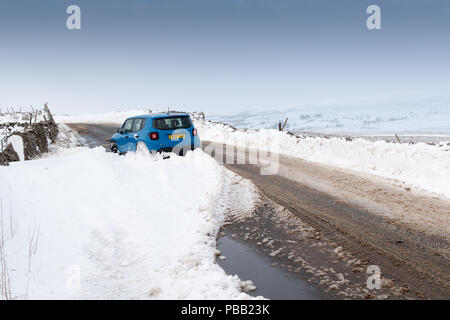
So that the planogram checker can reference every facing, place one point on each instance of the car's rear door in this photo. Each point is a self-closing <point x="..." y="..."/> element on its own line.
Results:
<point x="136" y="133"/>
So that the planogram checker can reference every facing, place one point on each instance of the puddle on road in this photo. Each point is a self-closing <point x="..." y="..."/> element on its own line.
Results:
<point x="270" y="281"/>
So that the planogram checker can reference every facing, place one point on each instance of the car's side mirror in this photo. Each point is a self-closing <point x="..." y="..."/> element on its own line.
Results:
<point x="121" y="130"/>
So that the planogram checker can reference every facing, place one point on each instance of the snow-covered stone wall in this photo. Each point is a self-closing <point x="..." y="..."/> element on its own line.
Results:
<point x="26" y="137"/>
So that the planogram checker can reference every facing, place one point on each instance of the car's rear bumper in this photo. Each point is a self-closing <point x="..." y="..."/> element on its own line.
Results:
<point x="178" y="149"/>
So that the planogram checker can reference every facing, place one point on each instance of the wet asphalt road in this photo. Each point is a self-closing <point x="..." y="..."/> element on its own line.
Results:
<point x="95" y="135"/>
<point x="418" y="263"/>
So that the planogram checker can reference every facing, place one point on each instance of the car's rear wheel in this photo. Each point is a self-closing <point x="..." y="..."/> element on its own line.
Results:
<point x="113" y="147"/>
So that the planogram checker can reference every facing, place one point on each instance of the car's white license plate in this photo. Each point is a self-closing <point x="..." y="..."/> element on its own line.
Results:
<point x="176" y="136"/>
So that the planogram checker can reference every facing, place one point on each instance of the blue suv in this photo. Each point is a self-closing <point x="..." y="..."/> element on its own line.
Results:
<point x="161" y="132"/>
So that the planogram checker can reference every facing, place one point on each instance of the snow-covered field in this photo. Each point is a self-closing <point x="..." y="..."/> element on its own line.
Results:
<point x="418" y="116"/>
<point x="338" y="120"/>
<point x="84" y="223"/>
<point x="115" y="117"/>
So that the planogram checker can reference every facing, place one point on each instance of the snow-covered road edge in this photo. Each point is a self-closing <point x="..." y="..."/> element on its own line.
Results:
<point x="419" y="166"/>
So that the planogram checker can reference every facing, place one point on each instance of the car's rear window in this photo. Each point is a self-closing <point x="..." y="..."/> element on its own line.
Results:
<point x="172" y="123"/>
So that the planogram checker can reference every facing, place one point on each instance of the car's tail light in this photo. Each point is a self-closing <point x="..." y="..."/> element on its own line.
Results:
<point x="194" y="132"/>
<point x="153" y="135"/>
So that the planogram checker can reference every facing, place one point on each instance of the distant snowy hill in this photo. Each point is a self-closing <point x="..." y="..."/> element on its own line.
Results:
<point x="431" y="116"/>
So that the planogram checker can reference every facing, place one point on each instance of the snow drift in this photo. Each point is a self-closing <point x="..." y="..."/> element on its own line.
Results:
<point x="83" y="223"/>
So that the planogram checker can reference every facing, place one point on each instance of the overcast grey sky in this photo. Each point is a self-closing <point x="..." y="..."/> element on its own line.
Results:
<point x="221" y="55"/>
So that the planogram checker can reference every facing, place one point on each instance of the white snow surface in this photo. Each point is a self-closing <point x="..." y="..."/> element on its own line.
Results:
<point x="17" y="143"/>
<point x="426" y="115"/>
<point x="84" y="223"/>
<point x="423" y="166"/>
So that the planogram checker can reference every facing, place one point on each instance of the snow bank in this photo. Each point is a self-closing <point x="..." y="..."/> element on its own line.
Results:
<point x="83" y="223"/>
<point x="17" y="143"/>
<point x="419" y="165"/>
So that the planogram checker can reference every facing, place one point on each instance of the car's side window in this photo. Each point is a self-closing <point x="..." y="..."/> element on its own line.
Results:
<point x="138" y="124"/>
<point x="143" y="124"/>
<point x="128" y="125"/>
